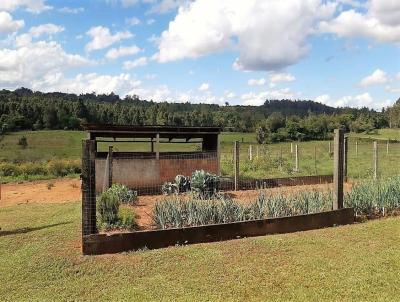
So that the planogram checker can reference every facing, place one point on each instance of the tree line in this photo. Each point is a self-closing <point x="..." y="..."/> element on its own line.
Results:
<point x="275" y="120"/>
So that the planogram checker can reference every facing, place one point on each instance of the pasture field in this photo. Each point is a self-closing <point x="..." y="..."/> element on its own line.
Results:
<point x="41" y="261"/>
<point x="63" y="150"/>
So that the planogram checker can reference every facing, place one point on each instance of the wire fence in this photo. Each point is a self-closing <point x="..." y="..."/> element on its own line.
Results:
<point x="245" y="171"/>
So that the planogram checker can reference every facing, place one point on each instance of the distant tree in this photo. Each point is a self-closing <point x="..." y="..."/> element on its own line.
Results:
<point x="23" y="142"/>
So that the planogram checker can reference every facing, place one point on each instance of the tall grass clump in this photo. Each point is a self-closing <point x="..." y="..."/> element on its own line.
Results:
<point x="379" y="197"/>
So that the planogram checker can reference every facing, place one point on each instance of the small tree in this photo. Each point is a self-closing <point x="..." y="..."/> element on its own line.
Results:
<point x="260" y="135"/>
<point x="23" y="142"/>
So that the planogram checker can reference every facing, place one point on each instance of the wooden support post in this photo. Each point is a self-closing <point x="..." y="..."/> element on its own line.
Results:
<point x="152" y="145"/>
<point x="280" y="158"/>
<point x="236" y="163"/>
<point x="110" y="165"/>
<point x="257" y="151"/>
<point x="338" y="154"/>
<point x="291" y="148"/>
<point x="88" y="187"/>
<point x="330" y="148"/>
<point x="251" y="152"/>
<point x="345" y="156"/>
<point x="296" y="167"/>
<point x="158" y="146"/>
<point x="375" y="160"/>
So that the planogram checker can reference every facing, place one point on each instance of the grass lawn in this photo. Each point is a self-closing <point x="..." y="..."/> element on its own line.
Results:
<point x="41" y="261"/>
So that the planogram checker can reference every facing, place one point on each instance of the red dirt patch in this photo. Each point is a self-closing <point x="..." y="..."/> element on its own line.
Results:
<point x="43" y="191"/>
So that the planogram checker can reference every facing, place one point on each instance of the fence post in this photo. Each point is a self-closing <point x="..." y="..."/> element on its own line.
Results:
<point x="356" y="148"/>
<point x="338" y="169"/>
<point x="329" y="148"/>
<point x="387" y="147"/>
<point x="280" y="158"/>
<point x="236" y="162"/>
<point x="375" y="160"/>
<point x="110" y="165"/>
<point x="291" y="148"/>
<point x="158" y="146"/>
<point x="88" y="187"/>
<point x="315" y="160"/>
<point x="251" y="152"/>
<point x="296" y="167"/>
<point x="345" y="156"/>
<point x="257" y="151"/>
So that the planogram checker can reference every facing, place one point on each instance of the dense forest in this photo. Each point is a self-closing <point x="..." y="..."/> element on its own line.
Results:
<point x="275" y="120"/>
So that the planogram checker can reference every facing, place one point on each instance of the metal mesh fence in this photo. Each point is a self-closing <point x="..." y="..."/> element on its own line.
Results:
<point x="367" y="161"/>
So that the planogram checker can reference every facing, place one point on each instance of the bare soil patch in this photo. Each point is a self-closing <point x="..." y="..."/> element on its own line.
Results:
<point x="43" y="191"/>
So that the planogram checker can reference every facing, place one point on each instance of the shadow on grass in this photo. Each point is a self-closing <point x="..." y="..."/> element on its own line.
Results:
<point x="28" y="229"/>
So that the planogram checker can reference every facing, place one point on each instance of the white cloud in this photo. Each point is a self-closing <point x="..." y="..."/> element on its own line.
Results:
<point x="377" y="77"/>
<point x="132" y="21"/>
<point x="230" y="94"/>
<point x="357" y="101"/>
<point x="71" y="10"/>
<point x="33" y="6"/>
<point x="115" y="53"/>
<point x="381" y="22"/>
<point x="25" y="65"/>
<point x="204" y="87"/>
<point x="392" y="89"/>
<point x="45" y="29"/>
<point x="166" y="6"/>
<point x="239" y="25"/>
<point x="275" y="77"/>
<point x="129" y="3"/>
<point x="120" y="84"/>
<point x="257" y="99"/>
<point x="102" y="37"/>
<point x="256" y="82"/>
<point x="142" y="61"/>
<point x="8" y="24"/>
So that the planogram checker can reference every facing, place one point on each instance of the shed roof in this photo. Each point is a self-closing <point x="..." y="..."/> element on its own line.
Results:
<point x="127" y="131"/>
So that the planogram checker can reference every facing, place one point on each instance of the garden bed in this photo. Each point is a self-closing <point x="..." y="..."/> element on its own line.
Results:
<point x="153" y="239"/>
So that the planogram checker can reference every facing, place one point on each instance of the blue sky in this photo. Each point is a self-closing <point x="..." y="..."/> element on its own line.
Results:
<point x="339" y="52"/>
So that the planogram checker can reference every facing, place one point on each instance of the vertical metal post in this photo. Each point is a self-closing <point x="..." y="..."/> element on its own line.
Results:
<point x="158" y="146"/>
<point x="251" y="152"/>
<point x="338" y="159"/>
<point x="345" y="156"/>
<point x="387" y="147"/>
<point x="236" y="163"/>
<point x="88" y="187"/>
<point x="330" y="148"/>
<point x="356" y="148"/>
<point x="280" y="158"/>
<point x="219" y="155"/>
<point x="110" y="165"/>
<point x="291" y="148"/>
<point x="315" y="159"/>
<point x="296" y="167"/>
<point x="257" y="151"/>
<point x="375" y="160"/>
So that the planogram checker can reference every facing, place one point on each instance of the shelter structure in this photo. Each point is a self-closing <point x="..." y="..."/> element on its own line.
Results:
<point x="151" y="164"/>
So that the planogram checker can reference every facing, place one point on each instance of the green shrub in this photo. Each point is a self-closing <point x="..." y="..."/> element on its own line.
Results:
<point x="9" y="169"/>
<point x="23" y="142"/>
<point x="107" y="209"/>
<point x="127" y="218"/>
<point x="204" y="184"/>
<point x="124" y="194"/>
<point x="109" y="213"/>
